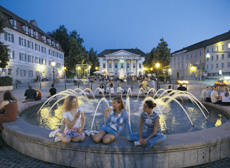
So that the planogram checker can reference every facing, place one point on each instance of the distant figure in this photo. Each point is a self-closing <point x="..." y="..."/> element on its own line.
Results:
<point x="203" y="93"/>
<point x="30" y="94"/>
<point x="225" y="97"/>
<point x="208" y="94"/>
<point x="52" y="91"/>
<point x="38" y="94"/>
<point x="170" y="87"/>
<point x="86" y="90"/>
<point x="215" y="98"/>
<point x="102" y="89"/>
<point x="152" y="83"/>
<point x="120" y="90"/>
<point x="182" y="88"/>
<point x="8" y="108"/>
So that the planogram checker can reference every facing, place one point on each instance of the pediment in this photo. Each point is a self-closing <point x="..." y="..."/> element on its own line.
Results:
<point x="121" y="53"/>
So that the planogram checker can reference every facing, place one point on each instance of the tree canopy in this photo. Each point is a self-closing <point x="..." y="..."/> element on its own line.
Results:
<point x="4" y="51"/>
<point x="75" y="52"/>
<point x="160" y="54"/>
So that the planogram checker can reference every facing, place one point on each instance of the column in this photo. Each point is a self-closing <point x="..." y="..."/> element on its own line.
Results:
<point x="125" y="67"/>
<point x="113" y="66"/>
<point x="137" y="67"/>
<point x="131" y="65"/>
<point x="107" y="66"/>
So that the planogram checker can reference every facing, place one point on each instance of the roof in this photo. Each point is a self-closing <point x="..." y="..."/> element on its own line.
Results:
<point x="205" y="43"/>
<point x="109" y="51"/>
<point x="31" y="24"/>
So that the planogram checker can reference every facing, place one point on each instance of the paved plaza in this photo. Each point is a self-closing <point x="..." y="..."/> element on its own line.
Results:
<point x="11" y="158"/>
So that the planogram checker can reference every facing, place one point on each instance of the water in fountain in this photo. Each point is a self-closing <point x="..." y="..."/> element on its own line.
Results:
<point x="168" y="107"/>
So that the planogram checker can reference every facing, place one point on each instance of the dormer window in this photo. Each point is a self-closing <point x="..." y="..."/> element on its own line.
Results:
<point x="49" y="41"/>
<point x="44" y="39"/>
<point x="53" y="43"/>
<point x="36" y="34"/>
<point x="13" y="23"/>
<point x="57" y="45"/>
<point x="25" y="28"/>
<point x="31" y="31"/>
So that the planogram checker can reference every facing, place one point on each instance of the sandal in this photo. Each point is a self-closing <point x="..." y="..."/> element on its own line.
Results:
<point x="53" y="133"/>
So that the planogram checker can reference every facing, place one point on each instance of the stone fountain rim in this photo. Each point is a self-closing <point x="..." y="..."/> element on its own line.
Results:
<point x="174" y="142"/>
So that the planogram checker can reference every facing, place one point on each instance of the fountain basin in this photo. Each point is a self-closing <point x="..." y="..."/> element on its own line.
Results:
<point x="179" y="150"/>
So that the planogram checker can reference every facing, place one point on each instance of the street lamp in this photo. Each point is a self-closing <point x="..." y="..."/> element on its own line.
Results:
<point x="53" y="65"/>
<point x="157" y="66"/>
<point x="65" y="76"/>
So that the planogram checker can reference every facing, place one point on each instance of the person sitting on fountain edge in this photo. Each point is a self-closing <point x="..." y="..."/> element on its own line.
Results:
<point x="102" y="89"/>
<point x="151" y="119"/>
<point x="52" y="91"/>
<point x="116" y="117"/>
<point x="120" y="90"/>
<point x="74" y="119"/>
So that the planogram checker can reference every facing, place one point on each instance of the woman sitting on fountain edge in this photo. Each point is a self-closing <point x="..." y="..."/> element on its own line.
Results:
<point x="153" y="134"/>
<point x="116" y="117"/>
<point x="74" y="119"/>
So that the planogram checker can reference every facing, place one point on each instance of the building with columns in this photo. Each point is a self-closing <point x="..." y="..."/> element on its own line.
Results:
<point x="209" y="58"/>
<point x="31" y="50"/>
<point x="122" y="62"/>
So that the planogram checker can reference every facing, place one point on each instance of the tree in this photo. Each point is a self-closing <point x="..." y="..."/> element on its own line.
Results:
<point x="94" y="60"/>
<point x="4" y="51"/>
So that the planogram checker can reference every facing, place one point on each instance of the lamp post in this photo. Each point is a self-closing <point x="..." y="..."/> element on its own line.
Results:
<point x="65" y="76"/>
<point x="53" y="65"/>
<point x="170" y="73"/>
<point x="157" y="66"/>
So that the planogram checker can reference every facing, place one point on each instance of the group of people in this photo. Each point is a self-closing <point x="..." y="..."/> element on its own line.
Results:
<point x="147" y="84"/>
<point x="211" y="94"/>
<point x="33" y="94"/>
<point x="110" y="89"/>
<point x="116" y="118"/>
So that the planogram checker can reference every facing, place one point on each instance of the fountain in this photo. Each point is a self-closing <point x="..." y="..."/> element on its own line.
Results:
<point x="183" y="118"/>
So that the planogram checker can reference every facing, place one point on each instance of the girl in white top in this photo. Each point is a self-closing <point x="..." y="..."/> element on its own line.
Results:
<point x="74" y="119"/>
<point x="225" y="97"/>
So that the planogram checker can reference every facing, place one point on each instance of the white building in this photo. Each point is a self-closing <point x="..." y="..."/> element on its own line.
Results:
<point x="210" y="57"/>
<point x="31" y="50"/>
<point x="122" y="62"/>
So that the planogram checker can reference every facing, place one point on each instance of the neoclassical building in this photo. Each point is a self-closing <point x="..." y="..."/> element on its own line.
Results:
<point x="210" y="57"/>
<point x="31" y="50"/>
<point x="122" y="62"/>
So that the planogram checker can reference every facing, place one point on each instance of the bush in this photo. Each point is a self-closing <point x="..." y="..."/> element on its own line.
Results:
<point x="6" y="81"/>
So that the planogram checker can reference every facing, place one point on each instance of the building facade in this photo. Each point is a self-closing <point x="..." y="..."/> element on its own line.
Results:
<point x="122" y="62"/>
<point x="209" y="58"/>
<point x="31" y="50"/>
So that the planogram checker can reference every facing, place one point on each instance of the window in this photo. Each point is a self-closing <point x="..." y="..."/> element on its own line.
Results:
<point x="195" y="54"/>
<point x="222" y="65"/>
<point x="206" y="66"/>
<point x="31" y="31"/>
<point x="216" y="65"/>
<point x="187" y="57"/>
<point x="200" y="53"/>
<point x="207" y="51"/>
<point x="191" y="55"/>
<point x="11" y="55"/>
<point x="22" y="73"/>
<point x="103" y="65"/>
<point x="115" y="65"/>
<point x="22" y="42"/>
<point x="30" y="44"/>
<point x="139" y="65"/>
<point x="222" y="56"/>
<point x="30" y="73"/>
<point x="122" y="65"/>
<point x="228" y="55"/>
<point x="9" y="37"/>
<point x="49" y="52"/>
<point x="43" y="50"/>
<point x="13" y="23"/>
<point x="36" y="60"/>
<point x="207" y="59"/>
<point x="222" y="47"/>
<point x="29" y="58"/>
<point x="110" y="65"/>
<point x="32" y="59"/>
<point x="212" y="49"/>
<point x="37" y="47"/>
<point x="211" y="66"/>
<point x="228" y="64"/>
<point x="22" y="57"/>
<point x="134" y="65"/>
<point x="216" y="57"/>
<point x="211" y="58"/>
<point x="127" y="65"/>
